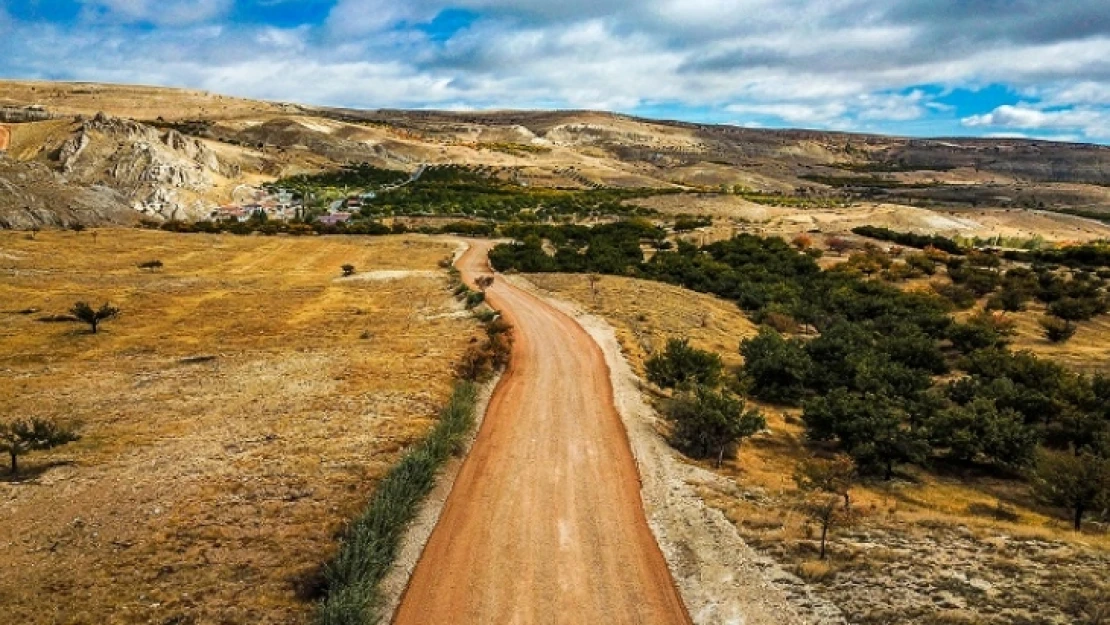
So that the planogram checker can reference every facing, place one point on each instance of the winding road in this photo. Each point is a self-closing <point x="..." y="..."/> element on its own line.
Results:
<point x="544" y="523"/>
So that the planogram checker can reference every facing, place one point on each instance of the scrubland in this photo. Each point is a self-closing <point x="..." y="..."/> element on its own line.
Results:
<point x="233" y="418"/>
<point x="942" y="547"/>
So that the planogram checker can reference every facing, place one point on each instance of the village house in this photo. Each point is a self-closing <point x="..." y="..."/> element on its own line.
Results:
<point x="334" y="219"/>
<point x="230" y="213"/>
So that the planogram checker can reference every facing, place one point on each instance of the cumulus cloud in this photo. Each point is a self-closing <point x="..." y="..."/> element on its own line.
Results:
<point x="830" y="63"/>
<point x="1090" y="122"/>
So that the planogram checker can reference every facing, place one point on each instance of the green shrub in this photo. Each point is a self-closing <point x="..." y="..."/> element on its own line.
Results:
<point x="983" y="331"/>
<point x="1058" y="330"/>
<point x="910" y="239"/>
<point x="682" y="365"/>
<point x="710" y="424"/>
<point x="980" y="431"/>
<point x="776" y="368"/>
<point x="960" y="297"/>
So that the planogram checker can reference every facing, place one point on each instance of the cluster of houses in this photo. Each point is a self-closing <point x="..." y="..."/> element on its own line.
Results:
<point x="251" y="202"/>
<point x="342" y="210"/>
<point x="258" y="203"/>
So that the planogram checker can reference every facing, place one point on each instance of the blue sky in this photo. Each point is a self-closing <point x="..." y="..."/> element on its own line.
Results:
<point x="915" y="67"/>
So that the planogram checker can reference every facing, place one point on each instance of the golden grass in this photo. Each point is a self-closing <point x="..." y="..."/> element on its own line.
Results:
<point x="645" y="314"/>
<point x="1086" y="352"/>
<point x="201" y="491"/>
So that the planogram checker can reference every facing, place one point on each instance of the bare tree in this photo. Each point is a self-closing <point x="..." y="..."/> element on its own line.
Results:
<point x="594" y="280"/>
<point x="824" y="484"/>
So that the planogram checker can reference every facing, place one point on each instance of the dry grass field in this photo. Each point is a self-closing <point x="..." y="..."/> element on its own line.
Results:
<point x="786" y="221"/>
<point x="645" y="314"/>
<point x="136" y="101"/>
<point x="961" y="548"/>
<point x="1087" y="352"/>
<point x="233" y="417"/>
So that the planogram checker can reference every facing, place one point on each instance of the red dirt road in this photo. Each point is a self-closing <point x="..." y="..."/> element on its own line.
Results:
<point x="545" y="522"/>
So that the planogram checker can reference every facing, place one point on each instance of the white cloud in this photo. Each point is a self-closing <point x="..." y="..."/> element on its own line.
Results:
<point x="1090" y="122"/>
<point x="893" y="107"/>
<point x="831" y="63"/>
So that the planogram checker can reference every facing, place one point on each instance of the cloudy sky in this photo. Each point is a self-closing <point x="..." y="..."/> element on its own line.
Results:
<point x="1033" y="68"/>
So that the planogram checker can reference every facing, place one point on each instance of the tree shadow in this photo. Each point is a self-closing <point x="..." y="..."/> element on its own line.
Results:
<point x="33" y="472"/>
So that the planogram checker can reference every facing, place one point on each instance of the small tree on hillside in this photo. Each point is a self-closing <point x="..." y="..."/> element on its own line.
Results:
<point x="594" y="279"/>
<point x="26" y="435"/>
<point x="823" y="485"/>
<point x="920" y="263"/>
<point x="839" y="245"/>
<point x="709" y="423"/>
<point x="94" y="317"/>
<point x="1009" y="299"/>
<point x="836" y="476"/>
<point x="1079" y="482"/>
<point x="681" y="365"/>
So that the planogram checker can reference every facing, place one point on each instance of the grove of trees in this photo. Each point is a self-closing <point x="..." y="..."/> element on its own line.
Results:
<point x="890" y="378"/>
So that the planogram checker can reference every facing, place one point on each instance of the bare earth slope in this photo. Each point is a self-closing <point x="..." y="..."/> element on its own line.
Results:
<point x="545" y="523"/>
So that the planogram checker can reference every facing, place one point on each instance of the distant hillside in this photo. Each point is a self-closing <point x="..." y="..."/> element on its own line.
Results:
<point x="177" y="153"/>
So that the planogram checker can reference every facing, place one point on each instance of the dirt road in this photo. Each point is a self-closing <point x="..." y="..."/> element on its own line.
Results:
<point x="545" y="522"/>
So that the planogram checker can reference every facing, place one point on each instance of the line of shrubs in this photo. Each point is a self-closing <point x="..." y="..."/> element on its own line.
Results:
<point x="369" y="546"/>
<point x="370" y="543"/>
<point x="909" y="239"/>
<point x="1087" y="256"/>
<point x="296" y="228"/>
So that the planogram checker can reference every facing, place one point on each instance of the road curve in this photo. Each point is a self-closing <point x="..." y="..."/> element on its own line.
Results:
<point x="545" y="523"/>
